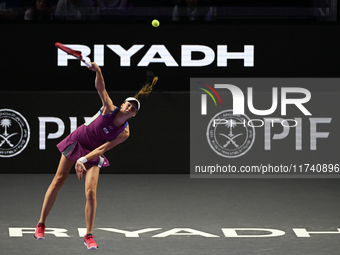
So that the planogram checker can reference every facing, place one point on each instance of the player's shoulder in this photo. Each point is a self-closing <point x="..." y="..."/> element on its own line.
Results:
<point x="126" y="131"/>
<point x="107" y="110"/>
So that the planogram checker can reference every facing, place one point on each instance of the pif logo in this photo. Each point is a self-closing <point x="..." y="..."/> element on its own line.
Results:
<point x="227" y="138"/>
<point x="14" y="133"/>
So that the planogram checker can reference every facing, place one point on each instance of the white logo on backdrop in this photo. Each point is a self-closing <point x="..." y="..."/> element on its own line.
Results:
<point x="227" y="135"/>
<point x="160" y="54"/>
<point x="14" y="133"/>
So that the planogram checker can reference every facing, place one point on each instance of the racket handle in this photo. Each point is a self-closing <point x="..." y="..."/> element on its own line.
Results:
<point x="87" y="63"/>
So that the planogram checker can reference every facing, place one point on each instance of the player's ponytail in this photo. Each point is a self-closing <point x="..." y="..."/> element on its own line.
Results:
<point x="146" y="90"/>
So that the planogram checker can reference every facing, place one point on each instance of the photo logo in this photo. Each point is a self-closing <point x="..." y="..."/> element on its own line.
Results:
<point x="14" y="133"/>
<point x="227" y="138"/>
<point x="270" y="111"/>
<point x="239" y="100"/>
<point x="265" y="126"/>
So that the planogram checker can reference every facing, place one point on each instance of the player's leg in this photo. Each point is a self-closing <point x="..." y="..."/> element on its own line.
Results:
<point x="91" y="182"/>
<point x="51" y="194"/>
<point x="57" y="182"/>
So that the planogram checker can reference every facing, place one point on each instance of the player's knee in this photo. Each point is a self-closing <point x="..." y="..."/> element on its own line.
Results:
<point x="91" y="193"/>
<point x="58" y="181"/>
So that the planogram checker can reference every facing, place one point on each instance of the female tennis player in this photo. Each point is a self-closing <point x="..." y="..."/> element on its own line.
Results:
<point x="86" y="146"/>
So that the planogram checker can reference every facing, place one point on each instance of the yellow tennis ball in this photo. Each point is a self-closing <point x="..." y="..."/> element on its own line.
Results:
<point x="155" y="23"/>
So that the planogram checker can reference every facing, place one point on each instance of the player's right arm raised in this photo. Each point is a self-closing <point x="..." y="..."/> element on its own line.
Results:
<point x="108" y="106"/>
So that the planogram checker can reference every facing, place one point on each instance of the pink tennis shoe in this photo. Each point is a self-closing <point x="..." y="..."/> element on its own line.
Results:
<point x="40" y="231"/>
<point x="90" y="243"/>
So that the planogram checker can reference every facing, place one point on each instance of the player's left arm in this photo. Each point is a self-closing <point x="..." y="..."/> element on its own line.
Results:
<point x="80" y="167"/>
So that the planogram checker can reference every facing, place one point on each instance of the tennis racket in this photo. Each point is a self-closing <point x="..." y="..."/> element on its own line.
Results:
<point x="74" y="53"/>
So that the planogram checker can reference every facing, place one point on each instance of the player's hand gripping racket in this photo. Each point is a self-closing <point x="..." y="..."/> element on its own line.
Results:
<point x="74" y="53"/>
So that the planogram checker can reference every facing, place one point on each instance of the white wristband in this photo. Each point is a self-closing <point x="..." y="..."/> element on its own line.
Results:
<point x="82" y="160"/>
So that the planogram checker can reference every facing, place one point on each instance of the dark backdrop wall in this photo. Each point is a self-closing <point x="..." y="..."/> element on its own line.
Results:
<point x="33" y="84"/>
